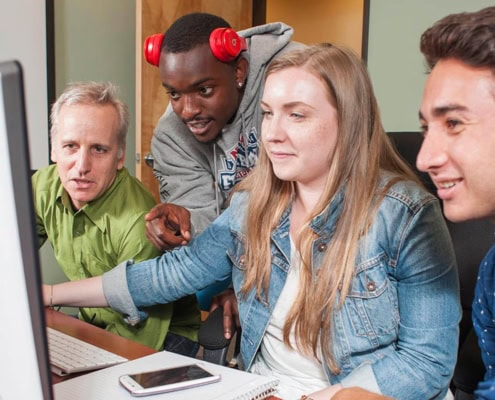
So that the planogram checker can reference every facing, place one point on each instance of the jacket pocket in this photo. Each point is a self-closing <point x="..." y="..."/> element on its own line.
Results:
<point x="372" y="304"/>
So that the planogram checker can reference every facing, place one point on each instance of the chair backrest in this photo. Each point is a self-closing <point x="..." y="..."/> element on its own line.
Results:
<point x="471" y="241"/>
<point x="408" y="145"/>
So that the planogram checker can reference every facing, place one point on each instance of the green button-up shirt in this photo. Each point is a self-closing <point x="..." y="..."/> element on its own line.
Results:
<point x="101" y="235"/>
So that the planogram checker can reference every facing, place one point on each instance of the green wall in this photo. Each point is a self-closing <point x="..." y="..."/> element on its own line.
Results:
<point x="394" y="61"/>
<point x="94" y="40"/>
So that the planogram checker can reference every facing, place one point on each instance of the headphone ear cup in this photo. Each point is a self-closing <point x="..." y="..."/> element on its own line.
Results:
<point x="152" y="48"/>
<point x="226" y="44"/>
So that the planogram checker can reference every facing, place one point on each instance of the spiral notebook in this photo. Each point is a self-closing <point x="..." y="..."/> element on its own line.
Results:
<point x="104" y="384"/>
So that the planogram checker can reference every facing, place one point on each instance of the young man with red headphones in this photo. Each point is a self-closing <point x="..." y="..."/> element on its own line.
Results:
<point x="207" y="140"/>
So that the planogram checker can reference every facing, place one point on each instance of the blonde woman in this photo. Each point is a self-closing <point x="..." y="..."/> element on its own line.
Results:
<point x="341" y="263"/>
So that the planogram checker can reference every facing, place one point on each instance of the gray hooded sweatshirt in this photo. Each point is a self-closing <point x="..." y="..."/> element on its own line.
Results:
<point x="199" y="176"/>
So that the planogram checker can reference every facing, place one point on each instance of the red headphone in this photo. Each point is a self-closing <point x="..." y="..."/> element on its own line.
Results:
<point x="225" y="44"/>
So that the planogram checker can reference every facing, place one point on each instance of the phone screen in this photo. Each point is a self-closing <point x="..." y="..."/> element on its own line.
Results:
<point x="170" y="376"/>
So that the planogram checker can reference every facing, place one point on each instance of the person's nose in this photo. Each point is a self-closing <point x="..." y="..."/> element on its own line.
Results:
<point x="272" y="129"/>
<point x="83" y="162"/>
<point x="432" y="153"/>
<point x="189" y="107"/>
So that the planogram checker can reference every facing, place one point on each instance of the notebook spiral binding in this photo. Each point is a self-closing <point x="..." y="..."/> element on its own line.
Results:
<point x="260" y="393"/>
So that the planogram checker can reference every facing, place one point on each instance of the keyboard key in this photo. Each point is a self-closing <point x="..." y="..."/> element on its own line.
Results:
<point x="69" y="355"/>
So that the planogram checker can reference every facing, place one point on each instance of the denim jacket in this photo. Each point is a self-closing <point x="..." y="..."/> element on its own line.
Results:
<point x="397" y="332"/>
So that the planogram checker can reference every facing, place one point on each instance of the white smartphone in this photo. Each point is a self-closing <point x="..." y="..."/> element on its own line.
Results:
<point x="167" y="380"/>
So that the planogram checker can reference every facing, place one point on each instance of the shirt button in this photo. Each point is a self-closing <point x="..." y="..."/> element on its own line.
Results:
<point x="370" y="286"/>
<point x="322" y="247"/>
<point x="242" y="261"/>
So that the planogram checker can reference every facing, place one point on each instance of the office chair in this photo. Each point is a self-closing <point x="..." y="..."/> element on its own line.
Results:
<point x="215" y="348"/>
<point x="471" y="241"/>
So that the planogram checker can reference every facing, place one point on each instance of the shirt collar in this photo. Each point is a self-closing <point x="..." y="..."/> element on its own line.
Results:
<point x="94" y="210"/>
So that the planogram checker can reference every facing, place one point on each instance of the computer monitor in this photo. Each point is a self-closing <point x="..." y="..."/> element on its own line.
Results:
<point x="24" y="372"/>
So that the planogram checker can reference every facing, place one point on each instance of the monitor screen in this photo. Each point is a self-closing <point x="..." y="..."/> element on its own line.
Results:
<point x="25" y="372"/>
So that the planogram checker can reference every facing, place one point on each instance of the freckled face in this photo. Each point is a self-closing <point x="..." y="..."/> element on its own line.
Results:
<point x="299" y="129"/>
<point x="87" y="151"/>
<point x="458" y="119"/>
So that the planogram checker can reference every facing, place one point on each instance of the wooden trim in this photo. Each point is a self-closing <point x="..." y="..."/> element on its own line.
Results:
<point x="259" y="12"/>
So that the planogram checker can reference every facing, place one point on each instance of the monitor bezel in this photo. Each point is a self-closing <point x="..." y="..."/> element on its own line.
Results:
<point x="13" y="100"/>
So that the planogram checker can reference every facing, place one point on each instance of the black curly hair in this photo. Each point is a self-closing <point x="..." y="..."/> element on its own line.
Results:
<point x="191" y="30"/>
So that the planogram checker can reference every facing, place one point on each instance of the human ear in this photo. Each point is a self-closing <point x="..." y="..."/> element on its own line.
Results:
<point x="241" y="71"/>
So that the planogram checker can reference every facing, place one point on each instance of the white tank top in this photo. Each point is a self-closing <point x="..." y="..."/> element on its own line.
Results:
<point x="297" y="373"/>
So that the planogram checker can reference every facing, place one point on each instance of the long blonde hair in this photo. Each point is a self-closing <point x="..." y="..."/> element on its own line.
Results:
<point x="363" y="150"/>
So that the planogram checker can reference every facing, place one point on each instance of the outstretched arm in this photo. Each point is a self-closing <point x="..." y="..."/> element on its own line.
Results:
<point x="83" y="293"/>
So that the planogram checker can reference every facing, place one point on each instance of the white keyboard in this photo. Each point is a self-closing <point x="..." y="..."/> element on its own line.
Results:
<point x="69" y="355"/>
